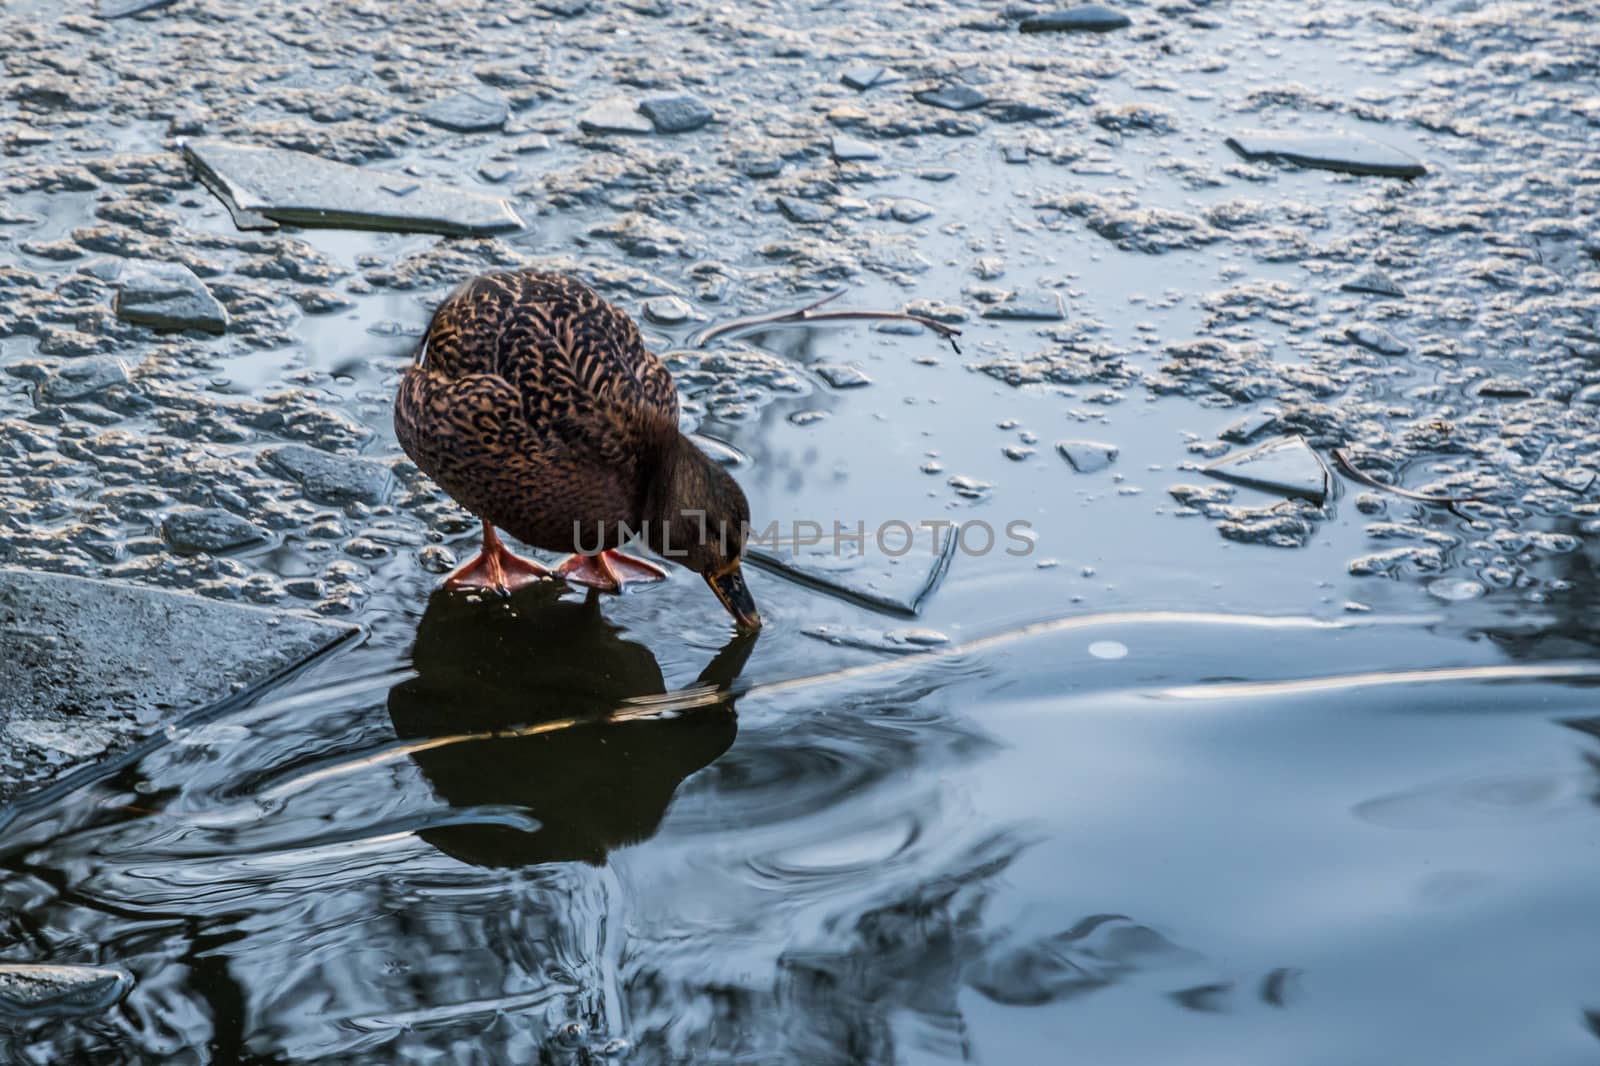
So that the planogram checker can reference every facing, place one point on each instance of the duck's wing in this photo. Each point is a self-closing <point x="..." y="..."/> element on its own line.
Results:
<point x="469" y="433"/>
<point x="579" y="366"/>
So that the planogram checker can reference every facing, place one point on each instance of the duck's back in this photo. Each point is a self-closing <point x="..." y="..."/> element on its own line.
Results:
<point x="553" y="338"/>
<point x="535" y="404"/>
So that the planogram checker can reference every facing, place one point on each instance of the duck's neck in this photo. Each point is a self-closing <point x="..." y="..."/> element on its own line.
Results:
<point x="680" y="486"/>
<point x="672" y="483"/>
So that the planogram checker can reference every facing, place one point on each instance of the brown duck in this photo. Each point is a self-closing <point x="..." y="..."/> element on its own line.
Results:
<point x="535" y="404"/>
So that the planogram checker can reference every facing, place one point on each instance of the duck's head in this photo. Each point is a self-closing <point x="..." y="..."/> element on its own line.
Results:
<point x="699" y="518"/>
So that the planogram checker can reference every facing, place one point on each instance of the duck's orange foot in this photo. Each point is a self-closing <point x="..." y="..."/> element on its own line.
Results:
<point x="609" y="571"/>
<point x="495" y="569"/>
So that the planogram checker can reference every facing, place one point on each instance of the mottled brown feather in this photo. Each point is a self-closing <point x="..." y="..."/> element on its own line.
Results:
<point x="535" y="404"/>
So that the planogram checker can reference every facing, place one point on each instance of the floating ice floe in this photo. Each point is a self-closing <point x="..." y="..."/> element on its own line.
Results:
<point x="1286" y="465"/>
<point x="1087" y="456"/>
<point x="90" y="669"/>
<point x="616" y="115"/>
<point x="1349" y="153"/>
<point x="329" y="478"/>
<point x="265" y="187"/>
<point x="1373" y="282"/>
<point x="867" y="572"/>
<point x="468" y="112"/>
<point x="1089" y="18"/>
<point x="1024" y="307"/>
<point x="35" y="990"/>
<point x="167" y="296"/>
<point x="117" y="9"/>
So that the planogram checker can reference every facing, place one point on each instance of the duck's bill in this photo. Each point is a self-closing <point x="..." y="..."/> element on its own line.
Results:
<point x="735" y="596"/>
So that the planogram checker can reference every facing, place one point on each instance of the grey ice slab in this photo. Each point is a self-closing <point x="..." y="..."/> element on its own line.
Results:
<point x="41" y="990"/>
<point x="675" y="112"/>
<point x="667" y="311"/>
<point x="1090" y="18"/>
<point x="842" y="375"/>
<point x="1087" y="456"/>
<point x="952" y="97"/>
<point x="1575" y="479"/>
<point x="89" y="669"/>
<point x="805" y="211"/>
<point x="1376" y="339"/>
<point x="853" y="149"/>
<point x="908" y="210"/>
<point x="467" y="112"/>
<point x="83" y="378"/>
<point x="1028" y="307"/>
<point x="1374" y="282"/>
<point x="263" y="187"/>
<point x="1286" y="465"/>
<point x="868" y="573"/>
<point x="1246" y="429"/>
<point x="166" y="296"/>
<point x="616" y="115"/>
<point x="865" y="76"/>
<point x="329" y="478"/>
<point x="209" y="529"/>
<point x="1349" y="153"/>
<point x="116" y="9"/>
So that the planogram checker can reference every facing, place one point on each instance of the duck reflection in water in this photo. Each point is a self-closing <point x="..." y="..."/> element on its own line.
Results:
<point x="510" y="666"/>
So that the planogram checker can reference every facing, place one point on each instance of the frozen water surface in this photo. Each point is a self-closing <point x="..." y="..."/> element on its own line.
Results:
<point x="1185" y="771"/>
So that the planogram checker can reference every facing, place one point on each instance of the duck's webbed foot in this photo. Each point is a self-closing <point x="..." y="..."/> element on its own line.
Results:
<point x="609" y="571"/>
<point x="495" y="569"/>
